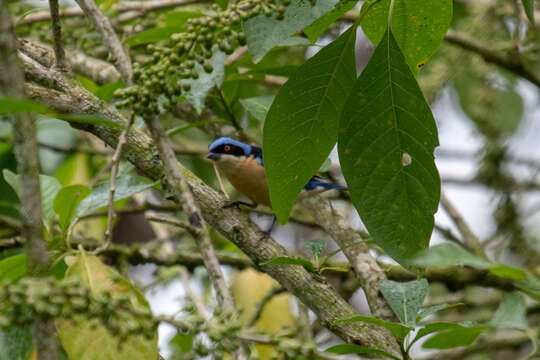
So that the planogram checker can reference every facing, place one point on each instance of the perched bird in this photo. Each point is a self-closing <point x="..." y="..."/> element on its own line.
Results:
<point x="243" y="166"/>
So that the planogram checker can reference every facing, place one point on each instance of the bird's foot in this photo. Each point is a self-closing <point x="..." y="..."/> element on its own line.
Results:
<point x="237" y="204"/>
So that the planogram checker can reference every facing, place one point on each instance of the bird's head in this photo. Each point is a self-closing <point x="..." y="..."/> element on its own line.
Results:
<point x="225" y="148"/>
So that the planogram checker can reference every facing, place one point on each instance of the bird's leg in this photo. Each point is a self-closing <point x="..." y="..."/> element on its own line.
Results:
<point x="237" y="204"/>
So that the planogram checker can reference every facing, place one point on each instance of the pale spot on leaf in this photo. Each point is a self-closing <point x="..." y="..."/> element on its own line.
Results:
<point x="406" y="159"/>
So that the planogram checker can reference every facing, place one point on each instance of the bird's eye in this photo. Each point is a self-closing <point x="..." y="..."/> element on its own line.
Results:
<point x="227" y="148"/>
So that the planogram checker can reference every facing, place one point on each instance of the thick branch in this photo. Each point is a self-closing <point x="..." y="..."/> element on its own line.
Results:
<point x="59" y="52"/>
<point x="231" y="223"/>
<point x="26" y="153"/>
<point x="109" y="37"/>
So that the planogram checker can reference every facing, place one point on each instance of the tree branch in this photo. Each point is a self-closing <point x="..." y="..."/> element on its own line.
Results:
<point x="109" y="37"/>
<point x="59" y="52"/>
<point x="24" y="127"/>
<point x="321" y="297"/>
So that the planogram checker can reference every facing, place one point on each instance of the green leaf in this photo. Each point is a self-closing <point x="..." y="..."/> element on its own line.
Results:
<point x="87" y="83"/>
<point x="446" y="255"/>
<point x="93" y="119"/>
<point x="511" y="313"/>
<point x="528" y="5"/>
<point x="15" y="343"/>
<point x="49" y="188"/>
<point x="153" y="35"/>
<point x="76" y="334"/>
<point x="264" y="32"/>
<point x="303" y="121"/>
<point x="179" y="18"/>
<point x="258" y="106"/>
<point x="199" y="88"/>
<point x="9" y="105"/>
<point x="509" y="272"/>
<point x="451" y="335"/>
<point x="316" y="247"/>
<point x="433" y="309"/>
<point x="405" y="298"/>
<point x="284" y="260"/>
<point x="181" y="129"/>
<point x="325" y="165"/>
<point x="106" y="92"/>
<point x="13" y="268"/>
<point x="397" y="329"/>
<point x="386" y="143"/>
<point x="357" y="349"/>
<point x="126" y="185"/>
<point x="66" y="202"/>
<point x="419" y="26"/>
<point x="315" y="30"/>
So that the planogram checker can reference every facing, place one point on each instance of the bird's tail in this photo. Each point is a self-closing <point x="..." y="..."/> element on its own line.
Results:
<point x="315" y="183"/>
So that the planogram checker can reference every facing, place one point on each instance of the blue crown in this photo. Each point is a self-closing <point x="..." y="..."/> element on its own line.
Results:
<point x="228" y="141"/>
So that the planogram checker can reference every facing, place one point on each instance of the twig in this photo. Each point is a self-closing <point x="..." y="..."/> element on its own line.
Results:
<point x="109" y="37"/>
<point x="199" y="305"/>
<point x="470" y="239"/>
<point x="175" y="222"/>
<point x="26" y="154"/>
<point x="10" y="222"/>
<point x="112" y="183"/>
<point x="184" y="196"/>
<point x="228" y="111"/>
<point x="60" y="54"/>
<point x="220" y="181"/>
<point x="274" y="291"/>
<point x="508" y="63"/>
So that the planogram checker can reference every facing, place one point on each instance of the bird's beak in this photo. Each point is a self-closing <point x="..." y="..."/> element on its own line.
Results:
<point x="213" y="156"/>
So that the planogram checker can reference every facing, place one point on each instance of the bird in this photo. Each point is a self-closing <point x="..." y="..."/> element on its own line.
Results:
<point x="242" y="164"/>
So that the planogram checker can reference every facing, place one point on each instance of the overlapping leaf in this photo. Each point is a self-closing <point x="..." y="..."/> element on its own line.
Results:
<point x="419" y="26"/>
<point x="302" y="124"/>
<point x="386" y="145"/>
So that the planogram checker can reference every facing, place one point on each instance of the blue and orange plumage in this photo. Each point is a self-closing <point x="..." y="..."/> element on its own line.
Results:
<point x="243" y="166"/>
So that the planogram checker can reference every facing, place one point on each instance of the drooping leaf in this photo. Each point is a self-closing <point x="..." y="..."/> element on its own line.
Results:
<point x="126" y="185"/>
<point x="446" y="255"/>
<point x="511" y="313"/>
<point x="386" y="143"/>
<point x="153" y="35"/>
<point x="66" y="202"/>
<point x="106" y="92"/>
<point x="315" y="30"/>
<point x="357" y="349"/>
<point x="510" y="272"/>
<point x="263" y="33"/>
<point x="15" y="343"/>
<point x="199" y="88"/>
<point x="75" y="334"/>
<point x="303" y="121"/>
<point x="316" y="247"/>
<point x="405" y="298"/>
<point x="397" y="329"/>
<point x="450" y="335"/>
<point x="528" y="5"/>
<point x="258" y="106"/>
<point x="13" y="268"/>
<point x="9" y="105"/>
<point x="284" y="260"/>
<point x="418" y="26"/>
<point x="433" y="309"/>
<point x="49" y="188"/>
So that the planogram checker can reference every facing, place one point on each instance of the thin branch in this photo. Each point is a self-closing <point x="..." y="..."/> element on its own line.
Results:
<point x="26" y="154"/>
<point x="109" y="37"/>
<point x="60" y="54"/>
<point x="509" y="63"/>
<point x="199" y="305"/>
<point x="62" y="149"/>
<point x="175" y="222"/>
<point x="470" y="239"/>
<point x="274" y="291"/>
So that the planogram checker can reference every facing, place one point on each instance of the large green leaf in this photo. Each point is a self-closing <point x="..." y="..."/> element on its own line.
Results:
<point x="511" y="313"/>
<point x="66" y="202"/>
<point x="303" y="121"/>
<point x="264" y="32"/>
<point x="446" y="255"/>
<point x="85" y="341"/>
<point x="9" y="105"/>
<point x="126" y="185"/>
<point x="15" y="343"/>
<point x="418" y="26"/>
<point x="316" y="29"/>
<point x="386" y="143"/>
<point x="452" y="335"/>
<point x="199" y="88"/>
<point x="49" y="188"/>
<point x="405" y="298"/>
<point x="13" y="268"/>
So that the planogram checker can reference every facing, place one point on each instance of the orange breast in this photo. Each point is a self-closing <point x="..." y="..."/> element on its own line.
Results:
<point x="246" y="175"/>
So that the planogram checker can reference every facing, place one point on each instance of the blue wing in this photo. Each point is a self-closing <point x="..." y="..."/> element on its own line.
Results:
<point x="316" y="182"/>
